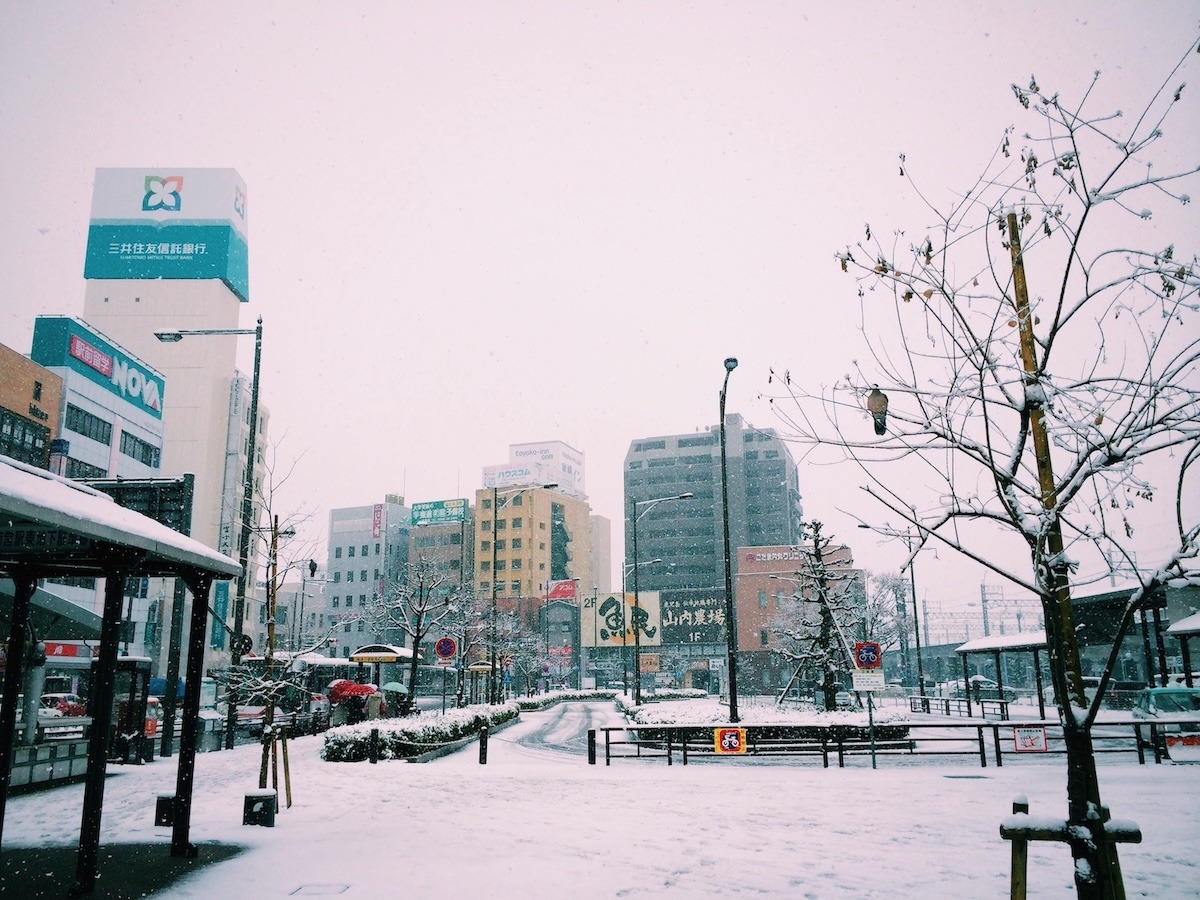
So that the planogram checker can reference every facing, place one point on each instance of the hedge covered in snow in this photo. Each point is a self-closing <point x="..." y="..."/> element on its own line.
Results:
<point x="404" y="738"/>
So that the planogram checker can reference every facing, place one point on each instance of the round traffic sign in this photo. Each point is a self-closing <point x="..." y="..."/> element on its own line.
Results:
<point x="445" y="648"/>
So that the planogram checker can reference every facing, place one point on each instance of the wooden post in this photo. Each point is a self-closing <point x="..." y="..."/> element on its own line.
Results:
<point x="1018" y="874"/>
<point x="287" y="772"/>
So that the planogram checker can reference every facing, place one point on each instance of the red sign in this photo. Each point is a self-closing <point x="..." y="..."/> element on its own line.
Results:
<point x="868" y="655"/>
<point x="561" y="590"/>
<point x="90" y="356"/>
<point x="729" y="740"/>
<point x="56" y="648"/>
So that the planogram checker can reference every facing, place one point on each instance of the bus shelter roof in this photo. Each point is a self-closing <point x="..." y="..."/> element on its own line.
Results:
<point x="52" y="526"/>
<point x="1186" y="627"/>
<point x="1028" y="640"/>
<point x="380" y="653"/>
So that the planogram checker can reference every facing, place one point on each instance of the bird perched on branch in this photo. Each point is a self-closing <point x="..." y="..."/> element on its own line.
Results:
<point x="877" y="405"/>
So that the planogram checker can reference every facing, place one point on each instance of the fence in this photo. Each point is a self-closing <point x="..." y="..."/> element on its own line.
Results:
<point x="1001" y="740"/>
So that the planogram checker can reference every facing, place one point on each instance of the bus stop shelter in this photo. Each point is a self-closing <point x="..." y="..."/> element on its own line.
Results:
<point x="1185" y="630"/>
<point x="51" y="527"/>
<point x="992" y="646"/>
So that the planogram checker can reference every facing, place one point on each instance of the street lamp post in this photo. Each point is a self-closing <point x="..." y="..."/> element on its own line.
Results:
<point x="637" y="614"/>
<point x="730" y="607"/>
<point x="494" y="679"/>
<point x="239" y="606"/>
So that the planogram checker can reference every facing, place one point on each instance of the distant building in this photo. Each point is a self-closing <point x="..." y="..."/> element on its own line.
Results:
<point x="30" y="404"/>
<point x="112" y="410"/>
<point x="368" y="555"/>
<point x="680" y="552"/>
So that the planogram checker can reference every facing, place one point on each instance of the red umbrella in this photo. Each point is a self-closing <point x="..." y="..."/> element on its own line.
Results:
<point x="341" y="689"/>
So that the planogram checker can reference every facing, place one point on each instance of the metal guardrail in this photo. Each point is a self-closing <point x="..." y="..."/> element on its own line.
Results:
<point x="948" y="739"/>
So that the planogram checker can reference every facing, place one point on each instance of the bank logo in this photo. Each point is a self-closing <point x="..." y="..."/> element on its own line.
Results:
<point x="239" y="202"/>
<point x="163" y="193"/>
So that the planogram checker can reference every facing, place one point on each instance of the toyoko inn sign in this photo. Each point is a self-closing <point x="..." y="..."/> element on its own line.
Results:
<point x="68" y="343"/>
<point x="169" y="223"/>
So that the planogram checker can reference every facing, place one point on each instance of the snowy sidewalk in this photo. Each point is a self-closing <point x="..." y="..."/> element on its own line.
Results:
<point x="532" y="824"/>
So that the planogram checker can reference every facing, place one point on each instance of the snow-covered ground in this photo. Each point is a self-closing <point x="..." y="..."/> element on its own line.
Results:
<point x="532" y="824"/>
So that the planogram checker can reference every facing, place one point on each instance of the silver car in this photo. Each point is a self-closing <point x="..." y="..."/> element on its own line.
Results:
<point x="1176" y="713"/>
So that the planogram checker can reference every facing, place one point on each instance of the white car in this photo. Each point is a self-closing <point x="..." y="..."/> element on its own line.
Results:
<point x="1176" y="713"/>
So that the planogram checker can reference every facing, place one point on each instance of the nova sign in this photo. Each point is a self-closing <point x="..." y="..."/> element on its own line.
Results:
<point x="65" y="342"/>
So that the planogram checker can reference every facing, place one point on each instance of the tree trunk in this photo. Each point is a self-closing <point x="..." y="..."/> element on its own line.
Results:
<point x="1097" y="869"/>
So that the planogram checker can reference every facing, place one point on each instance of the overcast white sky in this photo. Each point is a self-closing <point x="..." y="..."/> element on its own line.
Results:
<point x="487" y="223"/>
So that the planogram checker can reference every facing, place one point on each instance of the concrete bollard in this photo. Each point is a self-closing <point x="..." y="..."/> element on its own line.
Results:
<point x="483" y="739"/>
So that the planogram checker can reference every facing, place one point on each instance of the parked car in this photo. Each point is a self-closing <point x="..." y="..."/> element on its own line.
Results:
<point x="1176" y="713"/>
<point x="67" y="704"/>
<point x="845" y="700"/>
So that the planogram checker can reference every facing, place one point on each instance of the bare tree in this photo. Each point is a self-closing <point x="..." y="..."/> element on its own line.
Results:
<point x="1049" y="423"/>
<point x="817" y="628"/>
<point x="414" y="607"/>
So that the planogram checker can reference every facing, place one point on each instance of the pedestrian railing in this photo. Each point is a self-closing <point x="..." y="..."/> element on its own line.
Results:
<point x="999" y="741"/>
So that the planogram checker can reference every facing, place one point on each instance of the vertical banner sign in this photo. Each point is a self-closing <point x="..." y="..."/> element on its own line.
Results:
<point x="220" y="611"/>
<point x="377" y="520"/>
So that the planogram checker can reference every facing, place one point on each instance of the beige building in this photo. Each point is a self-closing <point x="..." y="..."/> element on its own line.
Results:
<point x="527" y="538"/>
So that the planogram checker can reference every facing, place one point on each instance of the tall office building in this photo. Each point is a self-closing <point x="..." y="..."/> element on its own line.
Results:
<point x="680" y="543"/>
<point x="167" y="251"/>
<point x="687" y="535"/>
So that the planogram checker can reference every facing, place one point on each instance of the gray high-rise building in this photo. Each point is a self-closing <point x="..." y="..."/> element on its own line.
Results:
<point x="687" y="535"/>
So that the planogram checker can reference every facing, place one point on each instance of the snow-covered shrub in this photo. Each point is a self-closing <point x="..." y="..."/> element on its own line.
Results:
<point x="403" y="738"/>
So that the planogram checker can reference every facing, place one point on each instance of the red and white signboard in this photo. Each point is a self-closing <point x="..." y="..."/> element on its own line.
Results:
<point x="1030" y="739"/>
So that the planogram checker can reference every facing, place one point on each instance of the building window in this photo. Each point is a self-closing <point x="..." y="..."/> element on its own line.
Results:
<point x="484" y="585"/>
<point x="350" y="575"/>
<point x="779" y="598"/>
<point x="366" y="549"/>
<point x="485" y="545"/>
<point x="456" y="538"/>
<point x="362" y="626"/>
<point x="77" y="469"/>
<point x="349" y="600"/>
<point x="516" y="523"/>
<point x="362" y="599"/>
<point x="762" y="599"/>
<point x="84" y="423"/>
<point x="337" y="552"/>
<point x="337" y="577"/>
<point x="485" y="525"/>
<point x="499" y="545"/>
<point x="350" y="552"/>
<point x="336" y="602"/>
<point x="516" y="543"/>
<point x="763" y="638"/>
<point x="501" y="524"/>
<point x="516" y="564"/>
<point x="518" y="500"/>
<point x="362" y="575"/>
<point x="500" y="564"/>
<point x="135" y="448"/>
<point x="37" y="390"/>
<point x="487" y="504"/>
<point x="346" y="628"/>
<point x="376" y="549"/>
<point x="485" y="566"/>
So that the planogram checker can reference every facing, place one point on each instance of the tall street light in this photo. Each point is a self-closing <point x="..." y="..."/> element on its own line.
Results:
<point x="634" y="515"/>
<point x="239" y="606"/>
<point x="493" y="675"/>
<point x="730" y="608"/>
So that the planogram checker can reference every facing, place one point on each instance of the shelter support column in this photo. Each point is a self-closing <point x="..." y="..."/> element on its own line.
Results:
<point x="100" y="704"/>
<point x="199" y="584"/>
